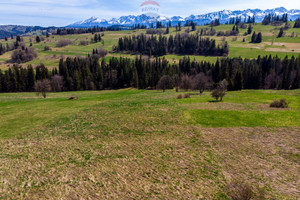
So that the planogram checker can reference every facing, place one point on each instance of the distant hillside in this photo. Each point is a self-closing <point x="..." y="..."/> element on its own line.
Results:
<point x="8" y="30"/>
<point x="223" y="15"/>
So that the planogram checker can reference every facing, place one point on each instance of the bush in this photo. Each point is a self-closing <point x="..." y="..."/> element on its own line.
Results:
<point x="83" y="43"/>
<point x="279" y="104"/>
<point x="23" y="55"/>
<point x="240" y="191"/>
<point x="154" y="31"/>
<point x="186" y="96"/>
<point x="47" y="48"/>
<point x="63" y="43"/>
<point x="220" y="91"/>
<point x="179" y="96"/>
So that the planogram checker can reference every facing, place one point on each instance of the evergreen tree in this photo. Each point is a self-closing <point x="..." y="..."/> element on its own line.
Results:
<point x="167" y="30"/>
<point x="249" y="29"/>
<point x="280" y="34"/>
<point x="258" y="38"/>
<point x="297" y="23"/>
<point x="37" y="39"/>
<point x="30" y="78"/>
<point x="253" y="38"/>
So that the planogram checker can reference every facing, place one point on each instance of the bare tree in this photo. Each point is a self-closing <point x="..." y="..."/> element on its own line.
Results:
<point x="176" y="80"/>
<point x="101" y="52"/>
<point x="57" y="83"/>
<point x="165" y="83"/>
<point x="42" y="87"/>
<point x="186" y="82"/>
<point x="63" y="43"/>
<point x="23" y="54"/>
<point x="200" y="82"/>
<point x="220" y="91"/>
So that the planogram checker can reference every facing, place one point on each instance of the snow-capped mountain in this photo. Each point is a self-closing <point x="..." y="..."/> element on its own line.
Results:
<point x="223" y="15"/>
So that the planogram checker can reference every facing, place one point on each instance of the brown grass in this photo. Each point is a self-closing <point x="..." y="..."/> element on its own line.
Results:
<point x="267" y="158"/>
<point x="228" y="106"/>
<point x="137" y="149"/>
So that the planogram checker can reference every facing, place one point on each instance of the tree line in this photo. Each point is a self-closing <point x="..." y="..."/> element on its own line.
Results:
<point x="191" y="44"/>
<point x="12" y="46"/>
<point x="275" y="19"/>
<point x="89" y="74"/>
<point x="238" y="20"/>
<point x="95" y="29"/>
<point x="297" y="23"/>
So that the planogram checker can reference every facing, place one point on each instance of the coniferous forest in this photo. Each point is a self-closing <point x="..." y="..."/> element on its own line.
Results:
<point x="186" y="44"/>
<point x="88" y="74"/>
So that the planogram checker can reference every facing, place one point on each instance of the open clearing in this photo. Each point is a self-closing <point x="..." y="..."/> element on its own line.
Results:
<point x="136" y="144"/>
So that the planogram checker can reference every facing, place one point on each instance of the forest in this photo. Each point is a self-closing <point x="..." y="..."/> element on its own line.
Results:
<point x="184" y="44"/>
<point x="75" y="74"/>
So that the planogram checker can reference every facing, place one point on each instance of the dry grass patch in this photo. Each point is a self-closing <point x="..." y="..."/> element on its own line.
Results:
<point x="228" y="106"/>
<point x="266" y="158"/>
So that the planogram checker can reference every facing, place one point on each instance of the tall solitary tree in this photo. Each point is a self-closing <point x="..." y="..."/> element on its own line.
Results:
<point x="37" y="39"/>
<point x="42" y="87"/>
<point x="280" y="34"/>
<point x="165" y="83"/>
<point x="259" y="38"/>
<point x="253" y="38"/>
<point x="200" y="82"/>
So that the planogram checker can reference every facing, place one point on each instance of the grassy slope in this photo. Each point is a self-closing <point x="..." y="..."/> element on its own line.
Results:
<point x="271" y="45"/>
<point x="146" y="144"/>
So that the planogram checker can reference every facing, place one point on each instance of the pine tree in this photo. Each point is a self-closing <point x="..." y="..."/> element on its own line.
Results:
<point x="280" y="34"/>
<point x="193" y="26"/>
<point x="38" y="39"/>
<point x="258" y="38"/>
<point x="30" y="78"/>
<point x="249" y="29"/>
<point x="95" y="38"/>
<point x="297" y="23"/>
<point x="18" y="38"/>
<point x="167" y="30"/>
<point x="253" y="38"/>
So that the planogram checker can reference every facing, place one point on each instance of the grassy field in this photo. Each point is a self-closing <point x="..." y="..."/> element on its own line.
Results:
<point x="271" y="45"/>
<point x="139" y="144"/>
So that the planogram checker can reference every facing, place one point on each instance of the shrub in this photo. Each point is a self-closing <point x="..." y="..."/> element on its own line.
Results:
<point x="186" y="96"/>
<point x="179" y="96"/>
<point x="83" y="43"/>
<point x="220" y="91"/>
<point x="23" y="55"/>
<point x="154" y="31"/>
<point x="279" y="104"/>
<point x="186" y="83"/>
<point x="240" y="191"/>
<point x="47" y="48"/>
<point x="63" y="43"/>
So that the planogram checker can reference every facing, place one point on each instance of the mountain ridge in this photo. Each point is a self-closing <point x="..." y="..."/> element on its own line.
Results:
<point x="223" y="15"/>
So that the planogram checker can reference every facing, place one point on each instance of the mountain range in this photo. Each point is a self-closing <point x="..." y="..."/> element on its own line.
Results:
<point x="223" y="15"/>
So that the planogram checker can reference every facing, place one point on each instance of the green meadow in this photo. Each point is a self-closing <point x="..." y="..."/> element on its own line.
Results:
<point x="271" y="45"/>
<point x="148" y="144"/>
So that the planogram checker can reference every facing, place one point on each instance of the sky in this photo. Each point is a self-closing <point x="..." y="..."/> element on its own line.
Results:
<point x="65" y="12"/>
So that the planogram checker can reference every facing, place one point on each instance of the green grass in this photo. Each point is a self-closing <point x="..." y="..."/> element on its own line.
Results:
<point x="147" y="144"/>
<point x="237" y="48"/>
<point x="22" y="112"/>
<point x="244" y="109"/>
